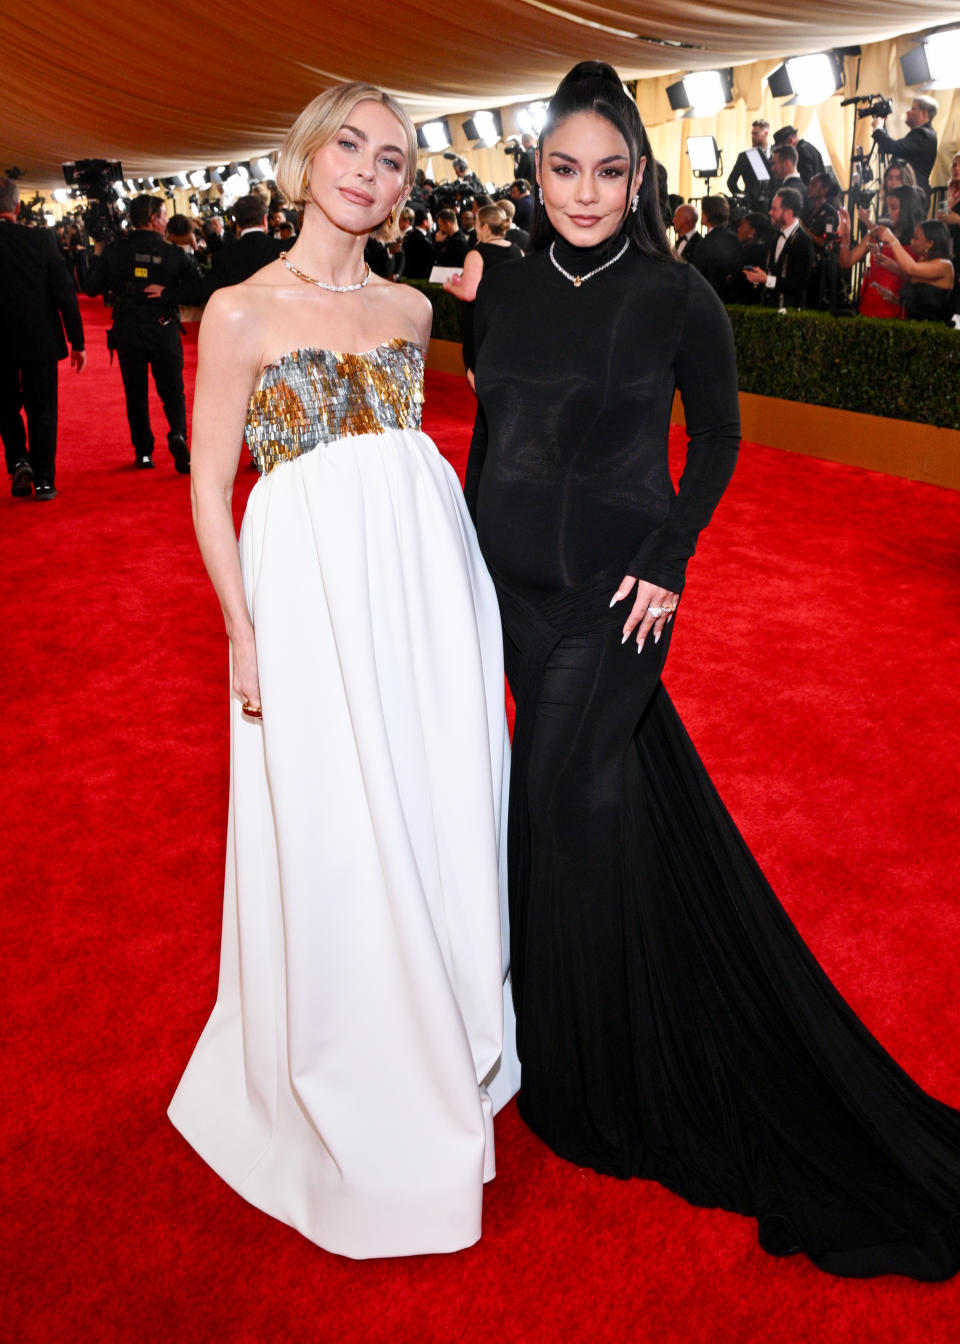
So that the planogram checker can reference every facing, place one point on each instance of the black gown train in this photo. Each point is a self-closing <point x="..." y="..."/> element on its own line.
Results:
<point x="672" y="1023"/>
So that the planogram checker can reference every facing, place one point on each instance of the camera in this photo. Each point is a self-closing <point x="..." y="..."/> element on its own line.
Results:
<point x="513" y="148"/>
<point x="877" y="107"/>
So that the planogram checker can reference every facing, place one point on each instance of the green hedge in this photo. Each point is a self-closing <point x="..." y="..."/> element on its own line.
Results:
<point x="446" y="310"/>
<point x="904" y="370"/>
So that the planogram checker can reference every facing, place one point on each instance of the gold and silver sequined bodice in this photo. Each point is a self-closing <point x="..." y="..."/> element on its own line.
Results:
<point x="310" y="397"/>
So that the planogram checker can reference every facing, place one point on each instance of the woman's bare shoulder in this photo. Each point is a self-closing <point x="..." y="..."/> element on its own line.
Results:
<point x="410" y="306"/>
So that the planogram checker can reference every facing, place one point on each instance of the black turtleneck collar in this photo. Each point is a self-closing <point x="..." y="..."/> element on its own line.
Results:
<point x="584" y="258"/>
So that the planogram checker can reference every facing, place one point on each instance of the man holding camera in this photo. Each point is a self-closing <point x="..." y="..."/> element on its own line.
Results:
<point x="919" y="146"/>
<point x="146" y="277"/>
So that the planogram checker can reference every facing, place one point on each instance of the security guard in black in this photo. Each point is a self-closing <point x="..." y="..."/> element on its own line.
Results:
<point x="145" y="278"/>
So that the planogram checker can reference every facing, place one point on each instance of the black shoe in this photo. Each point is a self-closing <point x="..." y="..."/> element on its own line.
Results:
<point x="144" y="461"/>
<point x="22" y="484"/>
<point x="46" y="490"/>
<point x="180" y="452"/>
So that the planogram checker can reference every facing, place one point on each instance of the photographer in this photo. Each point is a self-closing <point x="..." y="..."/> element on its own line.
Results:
<point x="523" y="203"/>
<point x="525" y="164"/>
<point x="146" y="278"/>
<point x="821" y="222"/>
<point x="743" y="180"/>
<point x="883" y="279"/>
<point x="919" y="146"/>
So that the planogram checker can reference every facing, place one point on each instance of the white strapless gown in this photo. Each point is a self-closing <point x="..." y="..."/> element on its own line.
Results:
<point x="346" y="1080"/>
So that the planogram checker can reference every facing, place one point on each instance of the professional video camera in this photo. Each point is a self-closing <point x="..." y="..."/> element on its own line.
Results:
<point x="94" y="179"/>
<point x="878" y="106"/>
<point x="861" y="175"/>
<point x="513" y="147"/>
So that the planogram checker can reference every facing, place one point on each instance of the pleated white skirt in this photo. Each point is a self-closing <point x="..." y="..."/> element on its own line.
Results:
<point x="346" y="1080"/>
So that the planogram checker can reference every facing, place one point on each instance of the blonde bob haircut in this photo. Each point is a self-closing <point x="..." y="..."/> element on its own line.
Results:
<point x="319" y="122"/>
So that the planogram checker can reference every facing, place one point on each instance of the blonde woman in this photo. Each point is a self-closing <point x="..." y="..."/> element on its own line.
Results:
<point x="341" y="1083"/>
<point x="492" y="249"/>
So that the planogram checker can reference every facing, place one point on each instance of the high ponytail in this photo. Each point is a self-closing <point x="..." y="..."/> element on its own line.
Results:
<point x="594" y="86"/>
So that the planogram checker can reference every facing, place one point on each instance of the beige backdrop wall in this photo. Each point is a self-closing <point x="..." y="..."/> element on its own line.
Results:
<point x="668" y="130"/>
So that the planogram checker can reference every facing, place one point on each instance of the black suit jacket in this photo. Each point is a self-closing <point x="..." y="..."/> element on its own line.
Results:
<point x="918" y="147"/>
<point x="792" y="270"/>
<point x="809" y="160"/>
<point x="719" y="260"/>
<point x="693" y="245"/>
<point x="249" y="254"/>
<point x="451" y="251"/>
<point x="743" y="180"/>
<point x="419" y="254"/>
<point x="37" y="297"/>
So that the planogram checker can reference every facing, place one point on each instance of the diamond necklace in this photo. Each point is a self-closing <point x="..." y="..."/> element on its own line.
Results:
<point x="321" y="284"/>
<point x="577" y="280"/>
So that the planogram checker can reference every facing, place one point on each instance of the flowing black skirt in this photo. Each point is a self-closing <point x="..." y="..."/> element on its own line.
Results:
<point x="672" y="1023"/>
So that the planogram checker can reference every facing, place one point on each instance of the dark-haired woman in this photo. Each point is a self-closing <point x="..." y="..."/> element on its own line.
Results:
<point x="927" y="268"/>
<point x="883" y="278"/>
<point x="671" y="1022"/>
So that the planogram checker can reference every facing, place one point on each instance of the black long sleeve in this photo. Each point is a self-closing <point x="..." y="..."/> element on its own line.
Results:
<point x="64" y="294"/>
<point x="568" y="473"/>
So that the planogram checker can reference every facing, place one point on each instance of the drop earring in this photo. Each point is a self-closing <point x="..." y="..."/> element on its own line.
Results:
<point x="635" y="203"/>
<point x="540" y="194"/>
<point x="390" y="218"/>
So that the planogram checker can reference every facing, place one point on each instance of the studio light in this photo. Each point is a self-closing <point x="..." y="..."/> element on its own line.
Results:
<point x="934" y="63"/>
<point x="702" y="93"/>
<point x="484" y="127"/>
<point x="433" y="135"/>
<point x="530" y="119"/>
<point x="199" y="179"/>
<point x="703" y="154"/>
<point x="61" y="195"/>
<point x="263" y="167"/>
<point x="119" y="187"/>
<point x="807" y="80"/>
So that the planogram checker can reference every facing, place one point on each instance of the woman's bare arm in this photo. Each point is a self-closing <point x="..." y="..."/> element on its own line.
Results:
<point x="229" y="358"/>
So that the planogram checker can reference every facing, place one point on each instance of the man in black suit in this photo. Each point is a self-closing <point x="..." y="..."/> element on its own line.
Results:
<point x="523" y="204"/>
<point x="526" y="162"/>
<point x="419" y="256"/>
<point x="685" y="220"/>
<point x="253" y="249"/>
<point x="720" y="256"/>
<point x="449" y="243"/>
<point x="919" y="146"/>
<point x="37" y="301"/>
<point x="147" y="278"/>
<point x="790" y="259"/>
<point x="784" y="168"/>
<point x="743" y="180"/>
<point x="809" y="160"/>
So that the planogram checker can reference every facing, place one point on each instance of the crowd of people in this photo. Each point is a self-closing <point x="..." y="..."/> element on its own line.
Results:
<point x="782" y="237"/>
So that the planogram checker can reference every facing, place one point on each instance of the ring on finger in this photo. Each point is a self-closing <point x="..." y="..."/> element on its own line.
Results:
<point x="660" y="611"/>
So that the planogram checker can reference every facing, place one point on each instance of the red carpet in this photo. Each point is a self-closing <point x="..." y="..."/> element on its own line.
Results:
<point x="816" y="663"/>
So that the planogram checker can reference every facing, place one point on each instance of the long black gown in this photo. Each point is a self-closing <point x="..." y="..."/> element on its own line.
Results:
<point x="672" y="1024"/>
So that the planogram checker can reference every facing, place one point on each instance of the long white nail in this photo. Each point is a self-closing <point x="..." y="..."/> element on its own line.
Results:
<point x="615" y="599"/>
<point x="639" y="645"/>
<point x="656" y="636"/>
<point x="625" y="638"/>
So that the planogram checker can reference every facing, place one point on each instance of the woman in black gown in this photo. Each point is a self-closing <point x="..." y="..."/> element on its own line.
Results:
<point x="671" y="1022"/>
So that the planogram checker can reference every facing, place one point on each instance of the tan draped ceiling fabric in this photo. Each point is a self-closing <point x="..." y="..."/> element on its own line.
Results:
<point x="173" y="86"/>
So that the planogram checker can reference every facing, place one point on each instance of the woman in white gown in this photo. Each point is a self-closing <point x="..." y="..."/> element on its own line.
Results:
<point x="346" y="1079"/>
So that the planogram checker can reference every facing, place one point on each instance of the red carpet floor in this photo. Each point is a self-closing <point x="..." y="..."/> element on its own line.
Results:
<point x="816" y="663"/>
